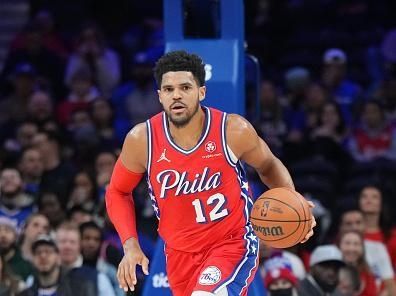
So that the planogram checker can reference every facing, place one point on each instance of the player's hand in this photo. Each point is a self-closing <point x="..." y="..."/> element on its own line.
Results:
<point x="313" y="224"/>
<point x="133" y="255"/>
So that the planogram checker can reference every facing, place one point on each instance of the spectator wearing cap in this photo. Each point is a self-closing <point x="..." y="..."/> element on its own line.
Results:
<point x="281" y="282"/>
<point x="322" y="280"/>
<point x="10" y="251"/>
<point x="14" y="107"/>
<point x="345" y="92"/>
<point x="50" y="278"/>
<point x="271" y="258"/>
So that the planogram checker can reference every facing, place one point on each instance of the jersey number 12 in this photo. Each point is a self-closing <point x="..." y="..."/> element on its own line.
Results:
<point x="218" y="211"/>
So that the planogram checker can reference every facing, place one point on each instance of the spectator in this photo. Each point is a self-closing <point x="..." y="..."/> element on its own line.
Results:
<point x="271" y="125"/>
<point x="24" y="133"/>
<point x="345" y="92"/>
<point x="14" y="107"/>
<point x="137" y="99"/>
<point x="50" y="278"/>
<point x="79" y="214"/>
<point x="104" y="163"/>
<point x="377" y="225"/>
<point x="36" y="224"/>
<point x="51" y="39"/>
<point x="48" y="65"/>
<point x="376" y="254"/>
<point x="83" y="192"/>
<point x="325" y="264"/>
<point x="82" y="92"/>
<point x="349" y="281"/>
<point x="281" y="282"/>
<point x="50" y="206"/>
<point x="31" y="167"/>
<point x="68" y="241"/>
<point x="58" y="175"/>
<point x="110" y="131"/>
<point x="91" y="248"/>
<point x="15" y="204"/>
<point x="386" y="94"/>
<point x="280" y="258"/>
<point x="375" y="138"/>
<point x="93" y="55"/>
<point x="40" y="107"/>
<point x="351" y="245"/>
<point x="10" y="251"/>
<point x="330" y="135"/>
<point x="9" y="283"/>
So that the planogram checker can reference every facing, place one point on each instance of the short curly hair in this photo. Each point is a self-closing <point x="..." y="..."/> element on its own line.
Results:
<point x="180" y="60"/>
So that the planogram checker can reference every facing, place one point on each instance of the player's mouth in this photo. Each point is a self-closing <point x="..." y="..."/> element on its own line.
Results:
<point x="178" y="107"/>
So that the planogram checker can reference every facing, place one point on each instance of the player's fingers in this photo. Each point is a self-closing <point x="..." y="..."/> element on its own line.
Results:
<point x="130" y="276"/>
<point x="313" y="223"/>
<point x="309" y="234"/>
<point x="121" y="277"/>
<point x="311" y="204"/>
<point x="145" y="266"/>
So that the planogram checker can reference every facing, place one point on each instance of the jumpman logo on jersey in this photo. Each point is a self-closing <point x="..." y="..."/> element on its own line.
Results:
<point x="163" y="157"/>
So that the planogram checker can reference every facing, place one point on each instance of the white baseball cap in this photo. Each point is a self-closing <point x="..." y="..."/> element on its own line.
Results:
<point x="325" y="253"/>
<point x="334" y="56"/>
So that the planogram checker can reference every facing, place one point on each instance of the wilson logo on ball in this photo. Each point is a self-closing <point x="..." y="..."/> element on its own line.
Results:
<point x="266" y="231"/>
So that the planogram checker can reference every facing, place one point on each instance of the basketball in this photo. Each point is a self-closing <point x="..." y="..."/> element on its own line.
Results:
<point x="281" y="217"/>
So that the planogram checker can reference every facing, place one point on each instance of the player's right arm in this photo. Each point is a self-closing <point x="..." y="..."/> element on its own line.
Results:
<point x="127" y="173"/>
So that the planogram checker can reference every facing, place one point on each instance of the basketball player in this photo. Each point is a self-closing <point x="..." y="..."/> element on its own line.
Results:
<point x="192" y="155"/>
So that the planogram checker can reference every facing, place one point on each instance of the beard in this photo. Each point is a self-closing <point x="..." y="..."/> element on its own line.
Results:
<point x="180" y="122"/>
<point x="325" y="285"/>
<point x="6" y="248"/>
<point x="48" y="271"/>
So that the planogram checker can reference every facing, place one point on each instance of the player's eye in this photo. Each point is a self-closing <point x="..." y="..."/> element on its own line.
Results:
<point x="167" y="89"/>
<point x="186" y="87"/>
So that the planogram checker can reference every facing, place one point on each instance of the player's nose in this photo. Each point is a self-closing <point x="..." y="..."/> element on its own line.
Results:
<point x="177" y="94"/>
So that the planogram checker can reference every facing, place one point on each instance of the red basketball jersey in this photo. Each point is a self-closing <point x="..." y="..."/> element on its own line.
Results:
<point x="199" y="195"/>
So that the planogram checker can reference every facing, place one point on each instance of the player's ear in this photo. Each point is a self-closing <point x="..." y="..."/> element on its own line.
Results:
<point x="202" y="92"/>
<point x="159" y="96"/>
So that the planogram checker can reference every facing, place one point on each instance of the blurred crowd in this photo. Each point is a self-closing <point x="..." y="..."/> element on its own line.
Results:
<point x="79" y="76"/>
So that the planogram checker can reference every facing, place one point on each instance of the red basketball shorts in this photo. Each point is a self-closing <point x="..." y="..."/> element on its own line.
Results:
<point x="231" y="263"/>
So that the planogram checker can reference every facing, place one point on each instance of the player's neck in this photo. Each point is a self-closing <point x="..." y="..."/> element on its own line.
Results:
<point x="188" y="136"/>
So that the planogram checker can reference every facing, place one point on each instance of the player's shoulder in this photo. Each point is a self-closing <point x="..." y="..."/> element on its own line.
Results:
<point x="138" y="132"/>
<point x="240" y="134"/>
<point x="237" y="124"/>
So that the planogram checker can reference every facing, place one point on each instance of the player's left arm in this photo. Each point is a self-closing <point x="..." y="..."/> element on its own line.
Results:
<point x="247" y="146"/>
<point x="250" y="148"/>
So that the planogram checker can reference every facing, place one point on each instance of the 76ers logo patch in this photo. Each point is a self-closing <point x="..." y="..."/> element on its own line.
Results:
<point x="210" y="276"/>
<point x="210" y="146"/>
